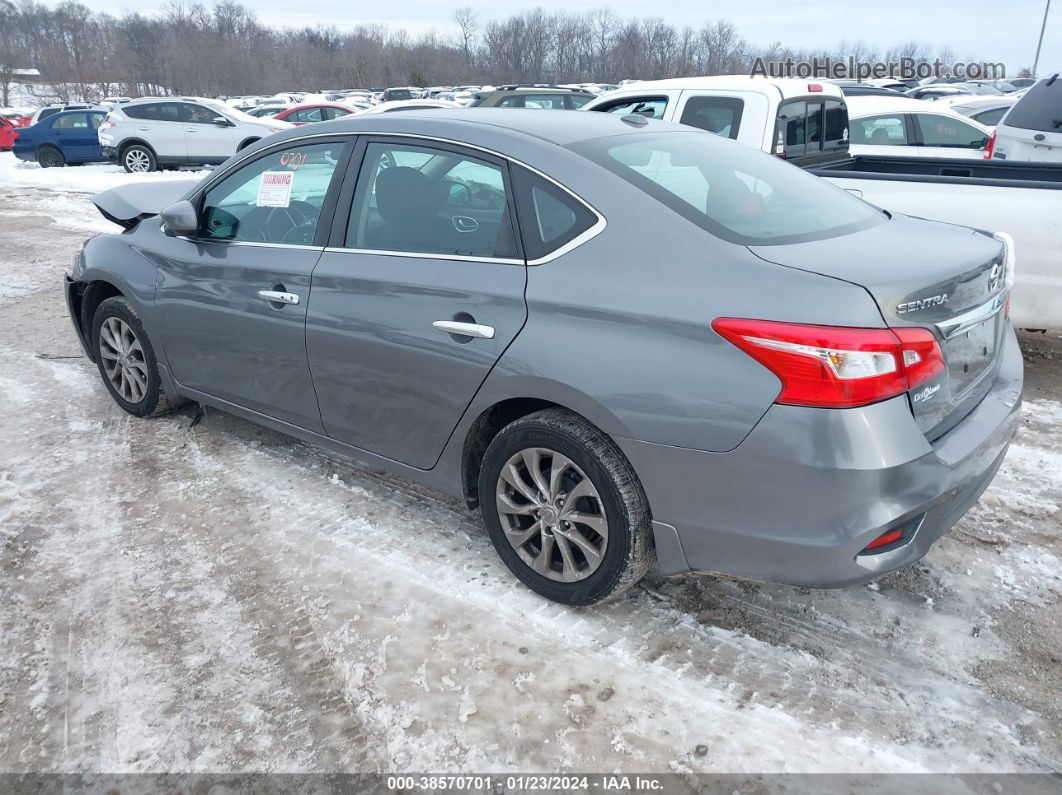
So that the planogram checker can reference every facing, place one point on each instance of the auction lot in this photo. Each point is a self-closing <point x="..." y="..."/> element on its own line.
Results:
<point x="195" y="593"/>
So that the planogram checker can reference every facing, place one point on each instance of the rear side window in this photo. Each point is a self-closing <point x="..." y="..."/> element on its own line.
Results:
<point x="154" y="111"/>
<point x="880" y="131"/>
<point x="544" y="101"/>
<point x="949" y="132"/>
<point x="1040" y="109"/>
<point x="578" y="100"/>
<point x="305" y="116"/>
<point x="549" y="217"/>
<point x="650" y="107"/>
<point x="719" y="115"/>
<point x="420" y="199"/>
<point x="990" y="118"/>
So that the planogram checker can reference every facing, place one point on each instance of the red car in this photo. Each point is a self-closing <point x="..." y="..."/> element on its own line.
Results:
<point x="314" y="111"/>
<point x="8" y="133"/>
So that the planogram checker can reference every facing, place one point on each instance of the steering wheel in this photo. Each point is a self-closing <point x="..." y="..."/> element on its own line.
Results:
<point x="296" y="223"/>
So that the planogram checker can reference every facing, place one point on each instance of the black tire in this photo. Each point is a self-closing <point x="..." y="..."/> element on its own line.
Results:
<point x="155" y="400"/>
<point x="50" y="157"/>
<point x="139" y="159"/>
<point x="629" y="552"/>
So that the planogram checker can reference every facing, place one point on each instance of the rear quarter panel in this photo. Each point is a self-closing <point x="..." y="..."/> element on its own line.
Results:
<point x="619" y="329"/>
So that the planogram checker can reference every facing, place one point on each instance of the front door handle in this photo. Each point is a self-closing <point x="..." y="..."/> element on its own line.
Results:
<point x="278" y="297"/>
<point x="465" y="329"/>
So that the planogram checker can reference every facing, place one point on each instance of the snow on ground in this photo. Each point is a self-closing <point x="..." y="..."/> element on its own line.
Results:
<point x="209" y="596"/>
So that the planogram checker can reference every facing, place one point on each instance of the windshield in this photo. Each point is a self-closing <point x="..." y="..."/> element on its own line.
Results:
<point x="731" y="190"/>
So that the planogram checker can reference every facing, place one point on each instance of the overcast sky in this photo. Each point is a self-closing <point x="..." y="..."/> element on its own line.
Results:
<point x="983" y="29"/>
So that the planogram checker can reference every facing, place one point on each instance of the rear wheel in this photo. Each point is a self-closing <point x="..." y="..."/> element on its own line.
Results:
<point x="50" y="157"/>
<point x="127" y="361"/>
<point x="564" y="509"/>
<point x="139" y="159"/>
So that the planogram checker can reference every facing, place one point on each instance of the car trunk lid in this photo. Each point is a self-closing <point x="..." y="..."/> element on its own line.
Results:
<point x="948" y="279"/>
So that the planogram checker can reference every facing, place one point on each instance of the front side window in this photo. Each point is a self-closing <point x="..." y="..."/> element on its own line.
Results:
<point x="198" y="114"/>
<point x="335" y="113"/>
<point x="880" y="131"/>
<point x="422" y="199"/>
<point x="719" y="115"/>
<point x="72" y="121"/>
<point x="549" y="217"/>
<point x="734" y="192"/>
<point x="946" y="131"/>
<point x="276" y="199"/>
<point x="650" y="107"/>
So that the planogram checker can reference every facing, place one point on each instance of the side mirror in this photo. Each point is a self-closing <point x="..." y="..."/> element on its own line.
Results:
<point x="221" y="121"/>
<point x="179" y="219"/>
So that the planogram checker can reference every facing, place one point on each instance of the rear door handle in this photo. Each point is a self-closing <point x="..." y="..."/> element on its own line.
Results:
<point x="278" y="297"/>
<point x="465" y="329"/>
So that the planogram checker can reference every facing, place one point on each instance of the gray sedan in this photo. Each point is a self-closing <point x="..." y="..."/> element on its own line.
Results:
<point x="628" y="342"/>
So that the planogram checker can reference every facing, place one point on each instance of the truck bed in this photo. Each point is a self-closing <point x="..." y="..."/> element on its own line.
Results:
<point x="1023" y="200"/>
<point x="998" y="173"/>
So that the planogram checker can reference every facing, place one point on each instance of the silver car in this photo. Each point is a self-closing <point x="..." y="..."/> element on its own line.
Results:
<point x="628" y="342"/>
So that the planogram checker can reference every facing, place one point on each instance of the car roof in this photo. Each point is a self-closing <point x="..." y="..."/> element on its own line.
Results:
<point x="787" y="87"/>
<point x="560" y="127"/>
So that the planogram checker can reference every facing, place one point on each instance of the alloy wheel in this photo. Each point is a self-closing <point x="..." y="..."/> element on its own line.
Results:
<point x="137" y="160"/>
<point x="123" y="360"/>
<point x="552" y="514"/>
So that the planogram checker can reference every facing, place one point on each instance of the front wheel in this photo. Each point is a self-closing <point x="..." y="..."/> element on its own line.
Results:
<point x="138" y="159"/>
<point x="127" y="361"/>
<point x="564" y="509"/>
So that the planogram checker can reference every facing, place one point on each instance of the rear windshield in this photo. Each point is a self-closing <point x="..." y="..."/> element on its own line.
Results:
<point x="1040" y="109"/>
<point x="733" y="191"/>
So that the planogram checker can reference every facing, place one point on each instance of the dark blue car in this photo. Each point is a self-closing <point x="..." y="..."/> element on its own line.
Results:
<point x="62" y="138"/>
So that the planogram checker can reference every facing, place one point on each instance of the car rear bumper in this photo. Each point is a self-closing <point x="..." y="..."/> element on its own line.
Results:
<point x="801" y="497"/>
<point x="110" y="153"/>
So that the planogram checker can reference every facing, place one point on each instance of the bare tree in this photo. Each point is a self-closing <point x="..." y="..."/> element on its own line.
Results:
<point x="468" y="22"/>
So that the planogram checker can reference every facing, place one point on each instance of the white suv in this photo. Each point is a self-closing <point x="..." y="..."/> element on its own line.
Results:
<point x="148" y="134"/>
<point x="1032" y="129"/>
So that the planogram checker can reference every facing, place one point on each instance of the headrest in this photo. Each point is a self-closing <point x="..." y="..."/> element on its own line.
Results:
<point x="405" y="193"/>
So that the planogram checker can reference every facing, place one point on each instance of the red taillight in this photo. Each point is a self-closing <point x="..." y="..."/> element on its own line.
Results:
<point x="833" y="366"/>
<point x="990" y="147"/>
<point x="884" y="540"/>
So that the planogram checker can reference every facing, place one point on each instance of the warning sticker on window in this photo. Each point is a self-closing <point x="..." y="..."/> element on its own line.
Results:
<point x="275" y="189"/>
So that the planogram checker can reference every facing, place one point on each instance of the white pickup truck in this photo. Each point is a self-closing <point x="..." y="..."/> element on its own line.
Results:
<point x="806" y="122"/>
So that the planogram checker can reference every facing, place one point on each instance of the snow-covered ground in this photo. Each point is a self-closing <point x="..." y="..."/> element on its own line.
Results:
<point x="209" y="596"/>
